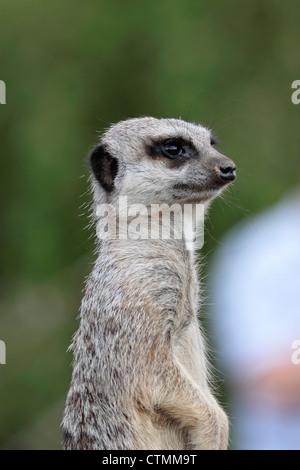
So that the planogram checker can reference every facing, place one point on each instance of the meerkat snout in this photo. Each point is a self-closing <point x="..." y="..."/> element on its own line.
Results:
<point x="159" y="161"/>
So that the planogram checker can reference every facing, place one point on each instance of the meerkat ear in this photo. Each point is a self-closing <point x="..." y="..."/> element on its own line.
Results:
<point x="104" y="167"/>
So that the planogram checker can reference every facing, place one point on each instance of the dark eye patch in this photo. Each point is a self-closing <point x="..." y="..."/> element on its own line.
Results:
<point x="175" y="149"/>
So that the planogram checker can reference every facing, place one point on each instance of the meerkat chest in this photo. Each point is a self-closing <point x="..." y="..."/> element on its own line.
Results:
<point x="193" y="282"/>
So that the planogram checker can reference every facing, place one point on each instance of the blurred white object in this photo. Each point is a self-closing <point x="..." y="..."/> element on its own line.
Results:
<point x="255" y="289"/>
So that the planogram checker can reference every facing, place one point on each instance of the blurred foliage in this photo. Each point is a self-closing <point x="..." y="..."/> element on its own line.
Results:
<point x="71" y="68"/>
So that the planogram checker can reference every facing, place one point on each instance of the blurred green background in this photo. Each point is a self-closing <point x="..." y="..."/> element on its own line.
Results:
<point x="71" y="68"/>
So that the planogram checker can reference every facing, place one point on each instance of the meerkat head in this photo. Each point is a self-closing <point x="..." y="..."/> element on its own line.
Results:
<point x="159" y="161"/>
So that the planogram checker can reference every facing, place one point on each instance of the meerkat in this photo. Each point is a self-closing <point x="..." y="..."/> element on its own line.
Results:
<point x="140" y="375"/>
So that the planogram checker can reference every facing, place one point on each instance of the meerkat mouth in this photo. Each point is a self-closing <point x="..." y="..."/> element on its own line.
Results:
<point x="202" y="196"/>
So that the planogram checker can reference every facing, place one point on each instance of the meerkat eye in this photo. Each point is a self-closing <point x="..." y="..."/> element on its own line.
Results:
<point x="173" y="148"/>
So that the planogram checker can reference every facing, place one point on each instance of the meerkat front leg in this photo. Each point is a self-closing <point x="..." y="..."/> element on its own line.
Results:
<point x="196" y="411"/>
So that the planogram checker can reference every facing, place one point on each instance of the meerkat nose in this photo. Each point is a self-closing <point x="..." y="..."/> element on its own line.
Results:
<point x="227" y="171"/>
